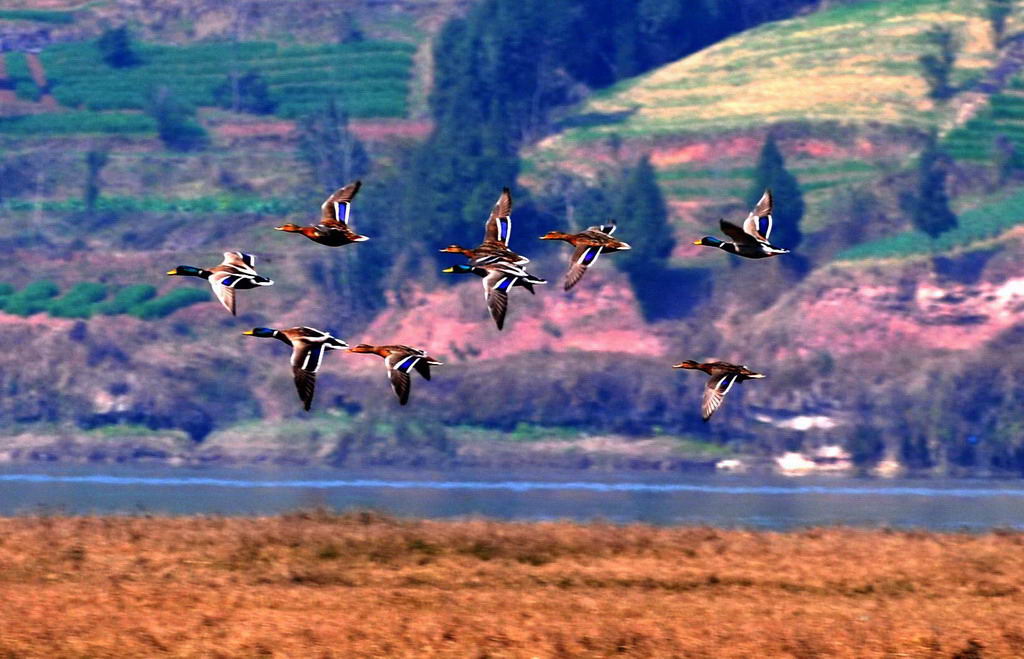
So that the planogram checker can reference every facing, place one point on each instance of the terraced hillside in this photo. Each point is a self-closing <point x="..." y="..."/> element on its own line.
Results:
<point x="841" y="89"/>
<point x="370" y="77"/>
<point x="1001" y="119"/>
<point x="852" y="64"/>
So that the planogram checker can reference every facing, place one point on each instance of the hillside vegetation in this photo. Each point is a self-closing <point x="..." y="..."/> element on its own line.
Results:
<point x="827" y="104"/>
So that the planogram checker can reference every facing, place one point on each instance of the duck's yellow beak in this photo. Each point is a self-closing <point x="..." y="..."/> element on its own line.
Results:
<point x="172" y="272"/>
<point x="247" y="332"/>
<point x="448" y="270"/>
<point x="698" y="242"/>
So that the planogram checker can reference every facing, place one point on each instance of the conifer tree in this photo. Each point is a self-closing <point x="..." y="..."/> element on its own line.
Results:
<point x="771" y="173"/>
<point x="175" y="122"/>
<point x="244" y="93"/>
<point x="929" y="208"/>
<point x="115" y="46"/>
<point x="333" y="153"/>
<point x="998" y="11"/>
<point x="937" y="66"/>
<point x="644" y="223"/>
<point x="95" y="161"/>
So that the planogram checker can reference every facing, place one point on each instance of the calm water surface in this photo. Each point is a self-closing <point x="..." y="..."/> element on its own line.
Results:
<point x="729" y="501"/>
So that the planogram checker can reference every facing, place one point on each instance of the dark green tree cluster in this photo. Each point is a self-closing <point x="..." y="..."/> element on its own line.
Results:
<point x="246" y="92"/>
<point x="997" y="12"/>
<point x="95" y="161"/>
<point x="85" y="299"/>
<point x="928" y="206"/>
<point x="333" y="153"/>
<point x="175" y="121"/>
<point x="79" y="301"/>
<point x="115" y="46"/>
<point x="31" y="299"/>
<point x="937" y="65"/>
<point x="642" y="211"/>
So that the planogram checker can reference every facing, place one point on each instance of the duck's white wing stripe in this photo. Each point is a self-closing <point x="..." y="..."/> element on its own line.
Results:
<point x="504" y="228"/>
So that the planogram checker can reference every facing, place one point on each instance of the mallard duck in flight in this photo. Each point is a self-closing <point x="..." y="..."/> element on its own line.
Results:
<point x="236" y="271"/>
<point x="498" y="279"/>
<point x="497" y="232"/>
<point x="308" y="348"/>
<point x="589" y="245"/>
<point x="723" y="376"/>
<point x="399" y="360"/>
<point x="750" y="240"/>
<point x="334" y="228"/>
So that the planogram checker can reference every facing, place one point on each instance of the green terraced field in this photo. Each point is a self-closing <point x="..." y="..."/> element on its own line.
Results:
<point x="78" y="123"/>
<point x="725" y="182"/>
<point x="226" y="204"/>
<point x="978" y="224"/>
<point x="1003" y="117"/>
<point x="37" y="15"/>
<point x="370" y="78"/>
<point x="17" y="71"/>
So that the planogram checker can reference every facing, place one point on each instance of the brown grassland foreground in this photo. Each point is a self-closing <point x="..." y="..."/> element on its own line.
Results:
<point x="314" y="584"/>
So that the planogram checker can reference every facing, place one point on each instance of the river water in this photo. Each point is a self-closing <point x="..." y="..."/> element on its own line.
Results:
<point x="717" y="500"/>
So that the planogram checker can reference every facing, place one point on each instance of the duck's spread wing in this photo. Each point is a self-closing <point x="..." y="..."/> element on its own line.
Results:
<point x="496" y="287"/>
<point x="737" y="234"/>
<point x="308" y="332"/>
<point x="244" y="262"/>
<point x="714" y="393"/>
<point x="423" y="368"/>
<point x="582" y="257"/>
<point x="604" y="228"/>
<point x="759" y="223"/>
<point x="499" y="224"/>
<point x="306" y="360"/>
<point x="223" y="284"/>
<point x="335" y="210"/>
<point x="399" y="364"/>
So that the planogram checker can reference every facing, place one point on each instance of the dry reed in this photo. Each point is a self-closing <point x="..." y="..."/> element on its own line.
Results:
<point x="314" y="584"/>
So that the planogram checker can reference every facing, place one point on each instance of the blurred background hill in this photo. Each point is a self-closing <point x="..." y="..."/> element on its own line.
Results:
<point x="138" y="135"/>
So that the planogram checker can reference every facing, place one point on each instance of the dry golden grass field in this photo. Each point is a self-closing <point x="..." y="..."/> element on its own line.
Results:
<point x="321" y="585"/>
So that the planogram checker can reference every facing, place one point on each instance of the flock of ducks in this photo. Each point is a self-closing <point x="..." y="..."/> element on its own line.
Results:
<point x="500" y="270"/>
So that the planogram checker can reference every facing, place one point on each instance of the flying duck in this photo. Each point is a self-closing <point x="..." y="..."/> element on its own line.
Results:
<point x="589" y="245"/>
<point x="236" y="271"/>
<point x="399" y="360"/>
<point x="333" y="229"/>
<point x="498" y="279"/>
<point x="750" y="240"/>
<point x="308" y="348"/>
<point x="723" y="376"/>
<point x="497" y="232"/>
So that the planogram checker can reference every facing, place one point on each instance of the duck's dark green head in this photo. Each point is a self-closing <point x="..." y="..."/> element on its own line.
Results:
<point x="186" y="271"/>
<point x="462" y="267"/>
<point x="708" y="241"/>
<point x="262" y="332"/>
